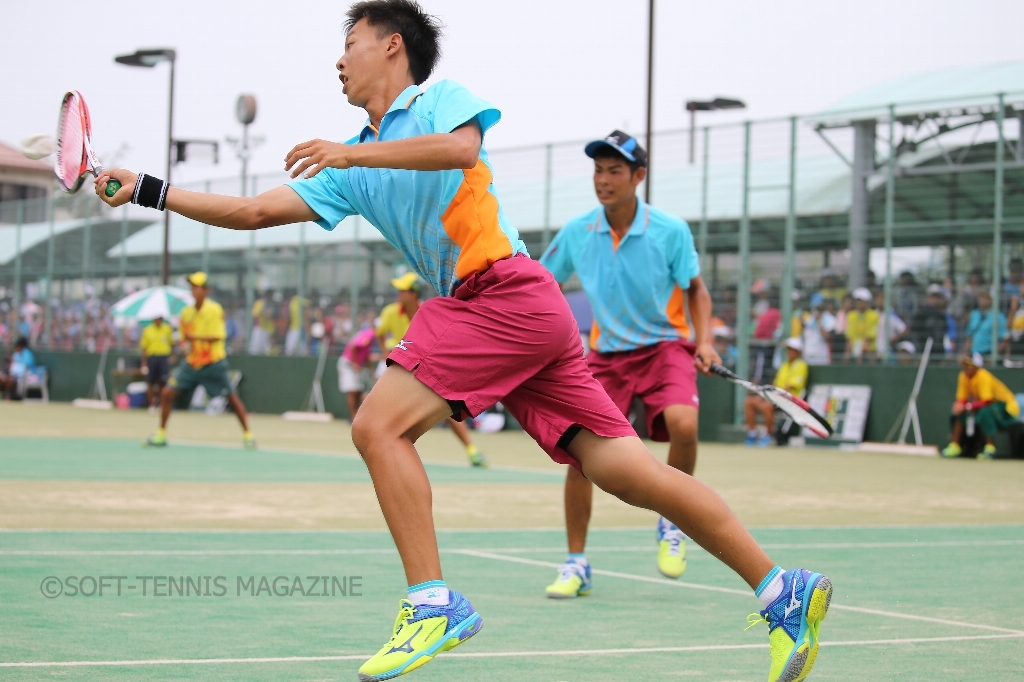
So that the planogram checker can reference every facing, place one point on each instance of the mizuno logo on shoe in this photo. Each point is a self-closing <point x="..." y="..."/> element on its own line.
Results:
<point x="794" y="604"/>
<point x="407" y="647"/>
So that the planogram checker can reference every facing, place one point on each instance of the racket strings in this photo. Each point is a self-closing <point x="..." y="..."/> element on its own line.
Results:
<point x="71" y="143"/>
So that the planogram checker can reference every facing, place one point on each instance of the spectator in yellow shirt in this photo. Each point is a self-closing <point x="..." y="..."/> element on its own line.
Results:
<point x="157" y="344"/>
<point x="203" y="332"/>
<point x="298" y="311"/>
<point x="791" y="377"/>
<point x="983" y="399"/>
<point x="395" y="319"/>
<point x="861" y="327"/>
<point x="260" y="341"/>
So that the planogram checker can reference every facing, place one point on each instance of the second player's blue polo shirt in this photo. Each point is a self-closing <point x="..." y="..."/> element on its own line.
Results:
<point x="635" y="285"/>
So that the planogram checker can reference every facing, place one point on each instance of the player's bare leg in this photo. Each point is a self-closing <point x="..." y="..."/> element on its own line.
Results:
<point x="396" y="412"/>
<point x="579" y="494"/>
<point x="354" y="398"/>
<point x="461" y="432"/>
<point x="239" y="408"/>
<point x="625" y="468"/>
<point x="167" y="397"/>
<point x="681" y="422"/>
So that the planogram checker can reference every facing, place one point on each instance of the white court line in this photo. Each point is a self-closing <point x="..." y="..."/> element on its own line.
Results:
<point x="441" y="531"/>
<point x="503" y="550"/>
<point x="746" y="593"/>
<point x="193" y="552"/>
<point x="491" y="654"/>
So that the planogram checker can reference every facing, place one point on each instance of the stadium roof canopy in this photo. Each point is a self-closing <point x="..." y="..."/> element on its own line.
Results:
<point x="955" y="87"/>
<point x="71" y="242"/>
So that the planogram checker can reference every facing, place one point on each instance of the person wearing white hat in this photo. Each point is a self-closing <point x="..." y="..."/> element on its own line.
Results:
<point x="791" y="377"/>
<point x="861" y="326"/>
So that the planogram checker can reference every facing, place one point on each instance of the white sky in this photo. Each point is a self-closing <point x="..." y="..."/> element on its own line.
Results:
<point x="558" y="69"/>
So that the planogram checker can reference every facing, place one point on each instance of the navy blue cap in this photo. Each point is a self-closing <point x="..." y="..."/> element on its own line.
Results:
<point x="624" y="144"/>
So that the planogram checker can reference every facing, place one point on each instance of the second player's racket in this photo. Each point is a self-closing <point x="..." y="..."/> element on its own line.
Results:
<point x="797" y="408"/>
<point x="75" y="156"/>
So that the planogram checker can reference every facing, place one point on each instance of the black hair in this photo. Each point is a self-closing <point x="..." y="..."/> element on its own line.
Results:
<point x="608" y="152"/>
<point x="22" y="342"/>
<point x="421" y="32"/>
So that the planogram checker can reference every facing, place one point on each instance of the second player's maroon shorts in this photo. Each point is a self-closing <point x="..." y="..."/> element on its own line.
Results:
<point x="660" y="375"/>
<point x="508" y="335"/>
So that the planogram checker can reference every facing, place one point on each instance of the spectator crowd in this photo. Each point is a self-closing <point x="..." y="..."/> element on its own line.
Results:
<point x="284" y="323"/>
<point x="834" y="323"/>
<point x="839" y="325"/>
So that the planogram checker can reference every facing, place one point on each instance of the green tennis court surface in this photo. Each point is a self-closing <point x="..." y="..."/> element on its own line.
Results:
<point x="910" y="604"/>
<point x="125" y="460"/>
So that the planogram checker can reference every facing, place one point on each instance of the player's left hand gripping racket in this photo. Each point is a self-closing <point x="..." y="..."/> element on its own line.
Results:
<point x="797" y="408"/>
<point x="75" y="156"/>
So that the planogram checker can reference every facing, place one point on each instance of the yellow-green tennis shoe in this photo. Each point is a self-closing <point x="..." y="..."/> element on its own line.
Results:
<point x="157" y="440"/>
<point x="573" y="581"/>
<point x="420" y="634"/>
<point x="671" y="549"/>
<point x="793" y="622"/>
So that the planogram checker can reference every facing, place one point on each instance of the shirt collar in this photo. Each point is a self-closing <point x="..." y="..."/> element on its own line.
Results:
<point x="640" y="220"/>
<point x="403" y="101"/>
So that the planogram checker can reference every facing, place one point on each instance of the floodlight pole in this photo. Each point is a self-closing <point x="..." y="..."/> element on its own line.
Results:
<point x="743" y="286"/>
<point x="693" y="131"/>
<point x="890" y="219"/>
<point x="148" y="59"/>
<point x="650" y="96"/>
<point x="165" y="268"/>
<point x="997" y="231"/>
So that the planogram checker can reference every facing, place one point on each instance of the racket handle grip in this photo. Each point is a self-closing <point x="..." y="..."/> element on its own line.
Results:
<point x="112" y="187"/>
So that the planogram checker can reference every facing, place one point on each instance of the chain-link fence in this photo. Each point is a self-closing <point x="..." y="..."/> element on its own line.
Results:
<point x="921" y="205"/>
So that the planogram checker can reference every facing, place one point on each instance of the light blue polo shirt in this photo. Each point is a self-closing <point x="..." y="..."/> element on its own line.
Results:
<point x="448" y="224"/>
<point x="636" y="287"/>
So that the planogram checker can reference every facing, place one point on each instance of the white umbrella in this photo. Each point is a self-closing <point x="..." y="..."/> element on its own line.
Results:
<point x="149" y="304"/>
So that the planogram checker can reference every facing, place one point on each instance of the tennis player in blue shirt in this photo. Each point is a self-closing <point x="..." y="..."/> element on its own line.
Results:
<point x="500" y="330"/>
<point x="639" y="269"/>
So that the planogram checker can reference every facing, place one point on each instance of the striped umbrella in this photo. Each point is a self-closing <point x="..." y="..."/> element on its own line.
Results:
<point x="149" y="304"/>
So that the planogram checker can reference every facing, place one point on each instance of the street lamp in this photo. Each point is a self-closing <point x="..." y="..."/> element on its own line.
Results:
<point x="245" y="113"/>
<point x="149" y="59"/>
<point x="695" y="105"/>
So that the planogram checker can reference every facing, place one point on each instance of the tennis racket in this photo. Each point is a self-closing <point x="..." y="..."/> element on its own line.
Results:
<point x="75" y="155"/>
<point x="797" y="408"/>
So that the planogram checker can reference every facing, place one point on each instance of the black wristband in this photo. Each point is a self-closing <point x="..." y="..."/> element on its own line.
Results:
<point x="150" y="192"/>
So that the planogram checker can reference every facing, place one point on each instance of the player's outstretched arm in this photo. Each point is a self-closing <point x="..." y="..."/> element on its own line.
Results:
<point x="436" y="151"/>
<point x="279" y="206"/>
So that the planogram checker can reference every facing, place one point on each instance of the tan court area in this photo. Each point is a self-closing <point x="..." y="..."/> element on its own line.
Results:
<point x="766" y="487"/>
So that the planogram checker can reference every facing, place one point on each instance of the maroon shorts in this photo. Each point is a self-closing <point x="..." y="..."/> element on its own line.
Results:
<point x="508" y="335"/>
<point x="660" y="375"/>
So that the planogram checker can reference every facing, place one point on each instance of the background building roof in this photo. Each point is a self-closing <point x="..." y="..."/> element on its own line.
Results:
<point x="12" y="158"/>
